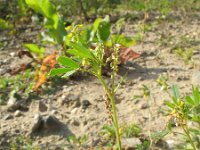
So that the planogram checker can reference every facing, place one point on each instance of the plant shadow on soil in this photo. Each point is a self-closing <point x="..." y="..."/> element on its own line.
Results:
<point x="61" y="130"/>
<point x="134" y="71"/>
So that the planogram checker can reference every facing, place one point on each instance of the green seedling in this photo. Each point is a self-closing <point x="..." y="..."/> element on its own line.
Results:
<point x="128" y="130"/>
<point x="156" y="136"/>
<point x="184" y="42"/>
<point x="144" y="27"/>
<point x="165" y="8"/>
<point x="185" y="54"/>
<point x="23" y="143"/>
<point x="145" y="93"/>
<point x="162" y="82"/>
<point x="131" y="130"/>
<point x="78" y="141"/>
<point x="185" y="109"/>
<point x="134" y="130"/>
<point x="5" y="25"/>
<point x="15" y="85"/>
<point x="165" y="40"/>
<point x="108" y="132"/>
<point x="144" y="145"/>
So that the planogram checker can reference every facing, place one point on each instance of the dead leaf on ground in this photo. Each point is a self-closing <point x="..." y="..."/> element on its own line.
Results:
<point x="48" y="63"/>
<point x="127" y="54"/>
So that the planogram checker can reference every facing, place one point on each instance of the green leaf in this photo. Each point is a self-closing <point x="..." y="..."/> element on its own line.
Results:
<point x="56" y="28"/>
<point x="5" y="24"/>
<point x="86" y="34"/>
<point x="96" y="24"/>
<point x="33" y="48"/>
<point x="196" y="118"/>
<point x="101" y="29"/>
<point x="42" y="6"/>
<point x="176" y="93"/>
<point x="104" y="31"/>
<point x="189" y="100"/>
<point x="72" y="138"/>
<point x="67" y="62"/>
<point x="169" y="104"/>
<point x="80" y="50"/>
<point x="169" y="126"/>
<point x="53" y="23"/>
<point x="22" y="6"/>
<point x="196" y="95"/>
<point x="69" y="73"/>
<point x="60" y="71"/>
<point x="75" y="53"/>
<point x="125" y="41"/>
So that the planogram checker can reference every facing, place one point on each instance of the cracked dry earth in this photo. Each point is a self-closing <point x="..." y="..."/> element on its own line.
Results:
<point x="79" y="103"/>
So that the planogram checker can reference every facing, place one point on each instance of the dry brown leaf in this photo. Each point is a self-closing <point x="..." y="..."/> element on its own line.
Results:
<point x="127" y="54"/>
<point x="48" y="63"/>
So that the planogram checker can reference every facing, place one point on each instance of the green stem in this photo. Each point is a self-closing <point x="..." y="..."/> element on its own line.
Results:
<point x="114" y="113"/>
<point x="113" y="84"/>
<point x="186" y="130"/>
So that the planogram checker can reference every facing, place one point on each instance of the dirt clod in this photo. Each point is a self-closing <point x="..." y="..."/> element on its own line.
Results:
<point x="85" y="104"/>
<point x="42" y="107"/>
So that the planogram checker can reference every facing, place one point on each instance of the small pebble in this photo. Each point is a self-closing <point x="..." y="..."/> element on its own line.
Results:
<point x="7" y="117"/>
<point x="17" y="113"/>
<point x="36" y="123"/>
<point x="12" y="54"/>
<point x="144" y="106"/>
<point x="74" y="111"/>
<point x="85" y="104"/>
<point x="53" y="112"/>
<point x="42" y="107"/>
<point x="2" y="71"/>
